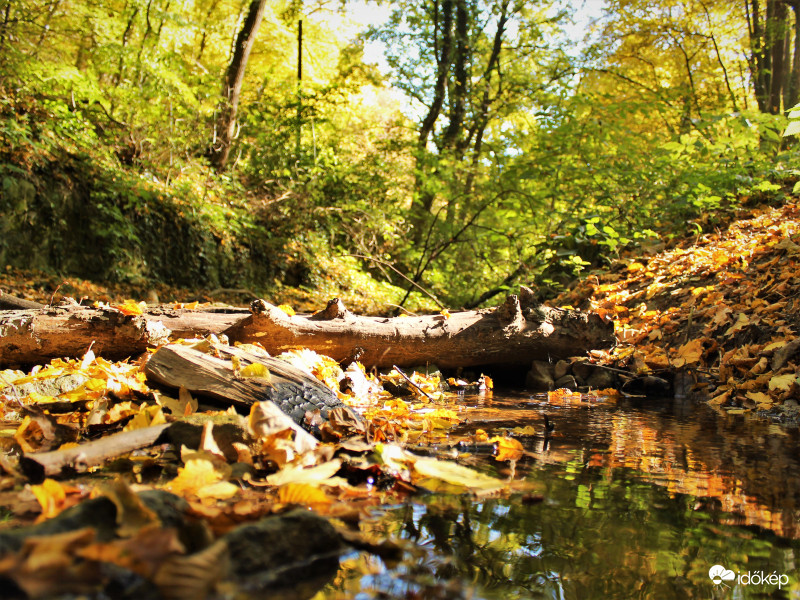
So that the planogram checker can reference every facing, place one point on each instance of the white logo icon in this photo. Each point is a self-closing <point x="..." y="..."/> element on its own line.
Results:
<point x="718" y="574"/>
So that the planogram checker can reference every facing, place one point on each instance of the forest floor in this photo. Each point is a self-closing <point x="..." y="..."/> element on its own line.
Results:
<point x="723" y="307"/>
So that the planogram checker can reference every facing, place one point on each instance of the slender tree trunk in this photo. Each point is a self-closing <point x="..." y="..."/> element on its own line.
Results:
<point x="459" y="87"/>
<point x="126" y="35"/>
<point x="758" y="58"/>
<point x="234" y="78"/>
<point x="793" y="81"/>
<point x="776" y="34"/>
<point x="6" y="21"/>
<point x="423" y="201"/>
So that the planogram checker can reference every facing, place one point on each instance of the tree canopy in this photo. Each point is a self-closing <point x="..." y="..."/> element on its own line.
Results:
<point x="151" y="140"/>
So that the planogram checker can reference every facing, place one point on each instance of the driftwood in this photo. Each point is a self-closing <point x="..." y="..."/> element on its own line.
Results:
<point x="292" y="390"/>
<point x="9" y="302"/>
<point x="512" y="334"/>
<point x="38" y="465"/>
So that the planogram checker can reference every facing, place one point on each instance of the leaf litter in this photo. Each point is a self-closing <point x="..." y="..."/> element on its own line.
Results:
<point x="265" y="470"/>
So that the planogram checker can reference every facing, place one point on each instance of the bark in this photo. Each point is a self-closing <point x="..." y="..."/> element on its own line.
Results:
<point x="792" y="93"/>
<point x="234" y="78"/>
<point x="776" y="35"/>
<point x="513" y="334"/>
<point x="36" y="336"/>
<point x="9" y="302"/>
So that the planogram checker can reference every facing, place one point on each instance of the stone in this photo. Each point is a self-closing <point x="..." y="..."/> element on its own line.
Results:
<point x="582" y="369"/>
<point x="568" y="382"/>
<point x="540" y="377"/>
<point x="601" y="379"/>
<point x="562" y="368"/>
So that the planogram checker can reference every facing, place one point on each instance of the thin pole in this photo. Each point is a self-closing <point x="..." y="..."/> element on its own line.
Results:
<point x="299" y="84"/>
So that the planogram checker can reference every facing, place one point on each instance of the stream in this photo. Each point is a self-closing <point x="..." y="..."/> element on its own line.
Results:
<point x="634" y="498"/>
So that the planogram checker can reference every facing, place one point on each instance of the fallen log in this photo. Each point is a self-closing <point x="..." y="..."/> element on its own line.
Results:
<point x="512" y="334"/>
<point x="69" y="330"/>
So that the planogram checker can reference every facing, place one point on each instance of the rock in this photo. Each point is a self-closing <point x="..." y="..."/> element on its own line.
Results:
<point x="540" y="377"/>
<point x="567" y="381"/>
<point x="562" y="368"/>
<point x="583" y="369"/>
<point x="601" y="379"/>
<point x="648" y="385"/>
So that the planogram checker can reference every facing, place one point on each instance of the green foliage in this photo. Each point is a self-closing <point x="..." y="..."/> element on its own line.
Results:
<point x="539" y="163"/>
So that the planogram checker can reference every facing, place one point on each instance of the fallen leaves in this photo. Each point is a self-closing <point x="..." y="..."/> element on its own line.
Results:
<point x="723" y="305"/>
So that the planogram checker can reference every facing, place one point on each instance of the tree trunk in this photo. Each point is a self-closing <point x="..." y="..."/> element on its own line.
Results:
<point x="36" y="336"/>
<point x="424" y="198"/>
<point x="226" y="120"/>
<point x="793" y="81"/>
<point x="776" y="35"/>
<point x="511" y="335"/>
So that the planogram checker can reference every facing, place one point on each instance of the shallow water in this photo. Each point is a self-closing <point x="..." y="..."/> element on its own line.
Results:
<point x="639" y="499"/>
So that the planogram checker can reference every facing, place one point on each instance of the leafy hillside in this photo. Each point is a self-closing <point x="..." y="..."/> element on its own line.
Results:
<point x="722" y="307"/>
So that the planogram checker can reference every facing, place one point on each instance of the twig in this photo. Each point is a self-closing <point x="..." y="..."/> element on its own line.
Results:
<point x="393" y="268"/>
<point x="408" y="379"/>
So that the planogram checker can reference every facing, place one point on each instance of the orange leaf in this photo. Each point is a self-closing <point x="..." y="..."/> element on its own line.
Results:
<point x="507" y="448"/>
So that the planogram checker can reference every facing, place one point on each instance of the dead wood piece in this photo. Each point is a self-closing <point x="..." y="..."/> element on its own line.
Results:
<point x="295" y="392"/>
<point x="38" y="465"/>
<point x="9" y="302"/>
<point x="512" y="335"/>
<point x="506" y="336"/>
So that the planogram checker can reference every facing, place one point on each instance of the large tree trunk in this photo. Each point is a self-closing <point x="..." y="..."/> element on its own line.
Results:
<point x="513" y="334"/>
<point x="226" y="120"/>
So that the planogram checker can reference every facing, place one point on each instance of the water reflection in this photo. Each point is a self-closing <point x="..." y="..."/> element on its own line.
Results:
<point x="640" y="500"/>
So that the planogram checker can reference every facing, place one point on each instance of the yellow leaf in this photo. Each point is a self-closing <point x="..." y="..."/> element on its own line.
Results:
<point x="131" y="307"/>
<point x="742" y="321"/>
<point x="689" y="353"/>
<point x="319" y="474"/>
<point x="220" y="490"/>
<point x="480" y="436"/>
<point x="783" y="382"/>
<point x="147" y="416"/>
<point x="303" y="494"/>
<point x="287" y="309"/>
<point x="507" y="448"/>
<point x="196" y="475"/>
<point x="456" y="474"/>
<point x="758" y="397"/>
<point x="721" y="399"/>
<point x="256" y="370"/>
<point x="445" y="313"/>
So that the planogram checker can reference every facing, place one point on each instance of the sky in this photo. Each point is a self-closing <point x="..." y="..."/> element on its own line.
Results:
<point x="365" y="14"/>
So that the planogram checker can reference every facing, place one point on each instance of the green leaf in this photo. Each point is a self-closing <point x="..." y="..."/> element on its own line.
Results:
<point x="792" y="129"/>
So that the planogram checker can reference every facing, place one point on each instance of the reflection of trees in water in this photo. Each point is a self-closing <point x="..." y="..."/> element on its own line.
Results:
<point x="750" y="467"/>
<point x="592" y="537"/>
